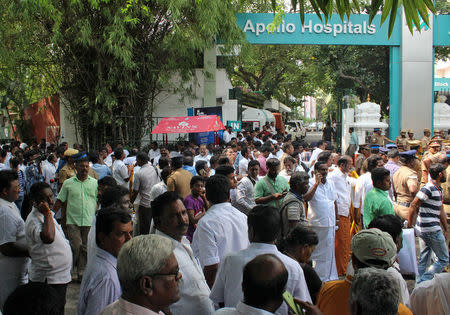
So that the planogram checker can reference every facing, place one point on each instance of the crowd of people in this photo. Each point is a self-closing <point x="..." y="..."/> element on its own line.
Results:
<point x="223" y="229"/>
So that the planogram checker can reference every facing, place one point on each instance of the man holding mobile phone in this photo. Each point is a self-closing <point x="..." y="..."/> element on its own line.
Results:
<point x="322" y="217"/>
<point x="272" y="188"/>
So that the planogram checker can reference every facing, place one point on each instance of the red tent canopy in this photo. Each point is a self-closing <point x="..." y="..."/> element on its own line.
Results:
<point x="189" y="124"/>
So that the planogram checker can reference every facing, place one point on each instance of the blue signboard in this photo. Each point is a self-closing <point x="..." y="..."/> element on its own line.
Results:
<point x="353" y="31"/>
<point x="236" y="125"/>
<point x="442" y="84"/>
<point x="441" y="30"/>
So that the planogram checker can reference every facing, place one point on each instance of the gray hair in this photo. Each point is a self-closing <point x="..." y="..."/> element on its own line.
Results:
<point x="297" y="178"/>
<point x="143" y="255"/>
<point x="374" y="291"/>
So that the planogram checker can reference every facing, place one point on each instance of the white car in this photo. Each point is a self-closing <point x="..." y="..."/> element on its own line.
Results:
<point x="296" y="128"/>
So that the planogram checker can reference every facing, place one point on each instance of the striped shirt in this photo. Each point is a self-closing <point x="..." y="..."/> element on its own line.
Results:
<point x="428" y="219"/>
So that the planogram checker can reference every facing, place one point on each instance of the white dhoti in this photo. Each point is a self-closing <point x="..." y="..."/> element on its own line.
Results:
<point x="323" y="254"/>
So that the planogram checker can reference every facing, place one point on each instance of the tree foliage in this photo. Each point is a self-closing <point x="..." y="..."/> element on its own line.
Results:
<point x="117" y="55"/>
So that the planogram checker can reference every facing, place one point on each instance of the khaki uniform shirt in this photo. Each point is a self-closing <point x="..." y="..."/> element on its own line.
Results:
<point x="67" y="172"/>
<point x="401" y="179"/>
<point x="179" y="181"/>
<point x="376" y="139"/>
<point x="434" y="159"/>
<point x="399" y="141"/>
<point x="424" y="143"/>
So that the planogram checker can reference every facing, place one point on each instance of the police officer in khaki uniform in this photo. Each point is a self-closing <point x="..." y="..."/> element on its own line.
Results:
<point x="377" y="138"/>
<point x="426" y="138"/>
<point x="364" y="153"/>
<point x="406" y="183"/>
<point x="431" y="157"/>
<point x="401" y="141"/>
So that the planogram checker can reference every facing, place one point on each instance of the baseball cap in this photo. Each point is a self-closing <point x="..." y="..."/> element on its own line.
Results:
<point x="374" y="248"/>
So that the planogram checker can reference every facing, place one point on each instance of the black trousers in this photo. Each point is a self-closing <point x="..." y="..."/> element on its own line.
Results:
<point x="145" y="219"/>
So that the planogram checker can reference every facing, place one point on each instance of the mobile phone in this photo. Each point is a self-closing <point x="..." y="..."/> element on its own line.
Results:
<point x="289" y="299"/>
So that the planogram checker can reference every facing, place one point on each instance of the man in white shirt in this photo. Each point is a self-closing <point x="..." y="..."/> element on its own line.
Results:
<point x="49" y="172"/>
<point x="143" y="181"/>
<point x="364" y="184"/>
<point x="343" y="186"/>
<point x="119" y="169"/>
<point x="51" y="256"/>
<point x="243" y="163"/>
<point x="245" y="191"/>
<point x="321" y="145"/>
<point x="264" y="224"/>
<point x="322" y="216"/>
<point x="222" y="230"/>
<point x="203" y="154"/>
<point x="154" y="151"/>
<point x="172" y="221"/>
<point x="264" y="280"/>
<point x="163" y="153"/>
<point x="227" y="135"/>
<point x="149" y="276"/>
<point x="13" y="246"/>
<point x="100" y="286"/>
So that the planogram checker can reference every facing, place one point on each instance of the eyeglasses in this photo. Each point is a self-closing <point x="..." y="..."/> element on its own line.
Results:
<point x="175" y="273"/>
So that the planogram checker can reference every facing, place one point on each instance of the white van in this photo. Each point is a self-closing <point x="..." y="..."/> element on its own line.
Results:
<point x="296" y="128"/>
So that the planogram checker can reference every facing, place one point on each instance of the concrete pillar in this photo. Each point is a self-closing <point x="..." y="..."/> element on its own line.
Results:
<point x="416" y="60"/>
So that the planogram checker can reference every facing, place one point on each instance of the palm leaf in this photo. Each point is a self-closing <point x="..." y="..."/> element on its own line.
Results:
<point x="386" y="9"/>
<point x="374" y="9"/>
<point x="393" y="16"/>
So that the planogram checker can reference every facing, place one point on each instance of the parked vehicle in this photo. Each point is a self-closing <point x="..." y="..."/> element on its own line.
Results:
<point x="296" y="128"/>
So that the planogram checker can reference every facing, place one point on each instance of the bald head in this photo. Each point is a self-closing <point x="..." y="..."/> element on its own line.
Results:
<point x="264" y="281"/>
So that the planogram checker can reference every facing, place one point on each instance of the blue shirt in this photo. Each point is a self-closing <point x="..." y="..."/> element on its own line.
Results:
<point x="102" y="170"/>
<point x="32" y="175"/>
<point x="100" y="286"/>
<point x="190" y="169"/>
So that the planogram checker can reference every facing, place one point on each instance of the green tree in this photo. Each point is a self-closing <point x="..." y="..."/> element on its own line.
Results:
<point x="117" y="55"/>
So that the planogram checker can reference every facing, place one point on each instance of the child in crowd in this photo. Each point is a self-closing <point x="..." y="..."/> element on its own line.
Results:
<point x="195" y="204"/>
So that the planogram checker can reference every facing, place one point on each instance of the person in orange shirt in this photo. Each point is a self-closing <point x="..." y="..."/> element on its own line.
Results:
<point x="370" y="248"/>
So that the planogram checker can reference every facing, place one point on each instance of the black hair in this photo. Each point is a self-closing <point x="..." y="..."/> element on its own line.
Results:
<point x="372" y="162"/>
<point x="290" y="159"/>
<point x="14" y="162"/>
<point x="200" y="165"/>
<point x="41" y="298"/>
<point x="106" y="217"/>
<point x="319" y="164"/>
<point x="6" y="177"/>
<point x="343" y="160"/>
<point x="300" y="235"/>
<point x="36" y="190"/>
<point x="244" y="151"/>
<point x="217" y="189"/>
<point x="298" y="178"/>
<point x="112" y="195"/>
<point x="188" y="153"/>
<point x="143" y="157"/>
<point x="265" y="221"/>
<point x="188" y="160"/>
<point x="379" y="174"/>
<point x="213" y="160"/>
<point x="161" y="202"/>
<point x="324" y="156"/>
<point x="107" y="181"/>
<point x="163" y="162"/>
<point x="393" y="153"/>
<point x="320" y="143"/>
<point x="253" y="163"/>
<point x="223" y="160"/>
<point x="266" y="148"/>
<point x="388" y="223"/>
<point x="118" y="153"/>
<point x="177" y="162"/>
<point x="313" y="281"/>
<point x="224" y="170"/>
<point x="60" y="150"/>
<point x="259" y="284"/>
<point x="435" y="169"/>
<point x="165" y="173"/>
<point x="272" y="162"/>
<point x="196" y="179"/>
<point x="93" y="157"/>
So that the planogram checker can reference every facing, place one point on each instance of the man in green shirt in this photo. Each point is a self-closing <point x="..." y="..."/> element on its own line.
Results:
<point x="79" y="194"/>
<point x="377" y="201"/>
<point x="271" y="188"/>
